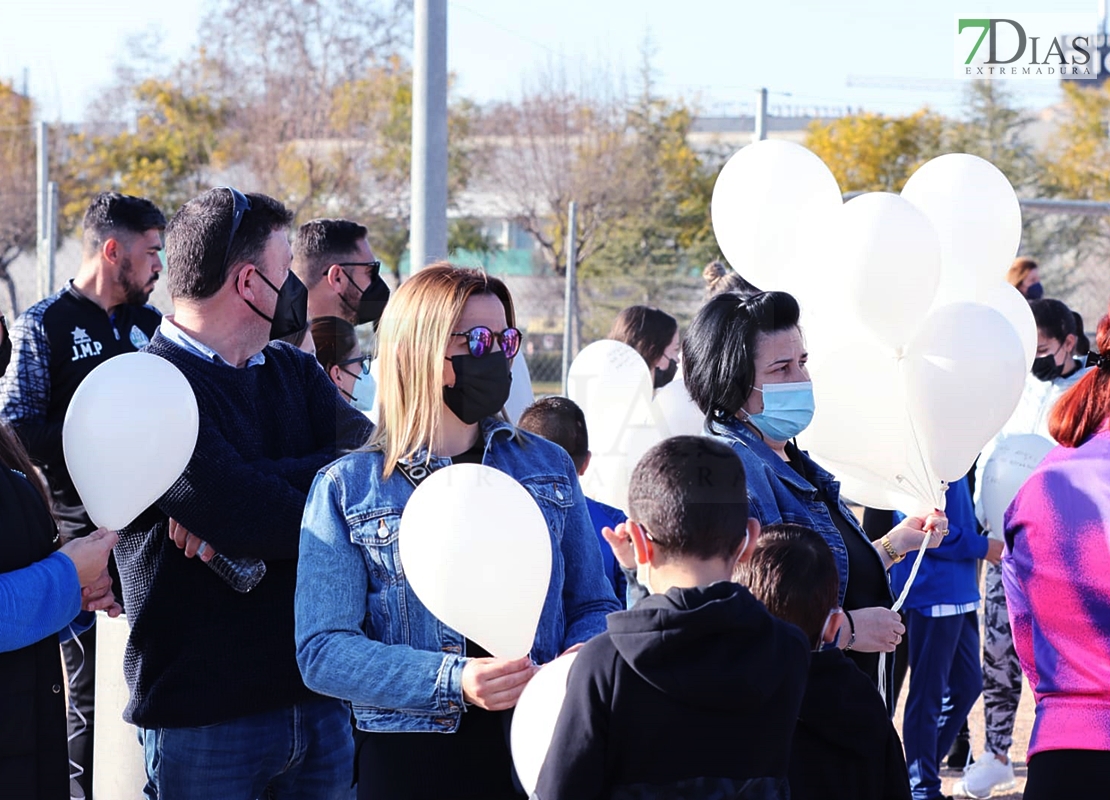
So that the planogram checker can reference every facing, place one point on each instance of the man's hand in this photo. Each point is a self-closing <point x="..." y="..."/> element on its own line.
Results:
<point x="192" y="545"/>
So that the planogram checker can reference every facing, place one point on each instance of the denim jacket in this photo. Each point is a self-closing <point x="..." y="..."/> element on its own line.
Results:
<point x="363" y="635"/>
<point x="776" y="493"/>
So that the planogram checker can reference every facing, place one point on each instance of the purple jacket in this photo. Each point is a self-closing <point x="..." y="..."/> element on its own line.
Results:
<point x="1056" y="570"/>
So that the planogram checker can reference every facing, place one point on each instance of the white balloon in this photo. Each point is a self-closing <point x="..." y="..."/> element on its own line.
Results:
<point x="1011" y="304"/>
<point x="128" y="434"/>
<point x="867" y="489"/>
<point x="975" y="211"/>
<point x="373" y="413"/>
<point x="520" y="395"/>
<point x="537" y="712"/>
<point x="470" y="537"/>
<point x="1011" y="462"/>
<point x="886" y="260"/>
<point x="965" y="371"/>
<point x="861" y="429"/>
<point x="767" y="196"/>
<point x="677" y="414"/>
<point x="611" y="383"/>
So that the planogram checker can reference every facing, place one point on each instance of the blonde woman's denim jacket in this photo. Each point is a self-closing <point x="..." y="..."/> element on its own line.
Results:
<point x="362" y="634"/>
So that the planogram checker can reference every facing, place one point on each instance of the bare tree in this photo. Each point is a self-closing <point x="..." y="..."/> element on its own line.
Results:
<point x="560" y="142"/>
<point x="285" y="64"/>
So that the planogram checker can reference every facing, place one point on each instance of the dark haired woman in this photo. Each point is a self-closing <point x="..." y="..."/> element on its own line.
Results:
<point x="1056" y="572"/>
<point x="43" y="591"/>
<point x="654" y="335"/>
<point x="339" y="353"/>
<point x="744" y="362"/>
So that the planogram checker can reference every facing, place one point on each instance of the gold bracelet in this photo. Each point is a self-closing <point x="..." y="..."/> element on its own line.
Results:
<point x="895" y="556"/>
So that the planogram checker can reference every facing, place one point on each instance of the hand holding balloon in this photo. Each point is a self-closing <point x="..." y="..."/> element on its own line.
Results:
<point x="878" y="630"/>
<point x="495" y="684"/>
<point x="89" y="555"/>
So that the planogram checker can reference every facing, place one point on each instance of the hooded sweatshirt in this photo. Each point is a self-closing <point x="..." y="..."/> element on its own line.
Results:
<point x="845" y="745"/>
<point x="691" y="694"/>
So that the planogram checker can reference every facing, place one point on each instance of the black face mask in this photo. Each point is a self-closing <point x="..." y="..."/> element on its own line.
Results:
<point x="1046" y="369"/>
<point x="481" y="386"/>
<point x="291" y="309"/>
<point x="1034" y="291"/>
<point x="372" y="302"/>
<point x="662" y="377"/>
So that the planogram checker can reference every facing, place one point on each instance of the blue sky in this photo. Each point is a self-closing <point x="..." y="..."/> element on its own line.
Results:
<point x="716" y="52"/>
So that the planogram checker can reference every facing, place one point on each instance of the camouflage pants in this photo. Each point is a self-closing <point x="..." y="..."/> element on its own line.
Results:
<point x="1001" y="668"/>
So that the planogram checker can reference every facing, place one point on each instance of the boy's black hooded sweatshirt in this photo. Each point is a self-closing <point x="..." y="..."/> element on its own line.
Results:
<point x="845" y="746"/>
<point x="693" y="694"/>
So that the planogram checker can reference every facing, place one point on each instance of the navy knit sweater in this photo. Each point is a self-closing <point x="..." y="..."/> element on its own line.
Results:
<point x="199" y="652"/>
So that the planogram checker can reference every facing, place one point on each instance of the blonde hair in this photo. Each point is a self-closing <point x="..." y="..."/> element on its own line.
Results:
<point x="1021" y="267"/>
<point x="412" y="346"/>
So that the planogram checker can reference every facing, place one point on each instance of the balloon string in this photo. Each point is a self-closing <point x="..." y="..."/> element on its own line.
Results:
<point x="928" y="496"/>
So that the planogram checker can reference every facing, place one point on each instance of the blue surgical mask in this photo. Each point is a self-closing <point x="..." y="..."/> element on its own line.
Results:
<point x="1034" y="291"/>
<point x="787" y="410"/>
<point x="363" y="392"/>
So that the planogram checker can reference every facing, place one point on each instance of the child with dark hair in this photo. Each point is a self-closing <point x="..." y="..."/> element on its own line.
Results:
<point x="695" y="692"/>
<point x="845" y="745"/>
<point x="560" y="420"/>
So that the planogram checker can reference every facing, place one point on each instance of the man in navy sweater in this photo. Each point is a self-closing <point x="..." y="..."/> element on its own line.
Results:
<point x="214" y="684"/>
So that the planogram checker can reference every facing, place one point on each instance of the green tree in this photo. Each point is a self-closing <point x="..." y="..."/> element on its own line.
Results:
<point x="167" y="157"/>
<point x="875" y="153"/>
<point x="994" y="128"/>
<point x="656" y="247"/>
<point x="1075" y="165"/>
<point x="466" y="233"/>
<point x="18" y="209"/>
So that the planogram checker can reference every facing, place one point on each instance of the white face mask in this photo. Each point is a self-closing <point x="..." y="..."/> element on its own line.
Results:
<point x="821" y="643"/>
<point x="363" y="392"/>
<point x="643" y="571"/>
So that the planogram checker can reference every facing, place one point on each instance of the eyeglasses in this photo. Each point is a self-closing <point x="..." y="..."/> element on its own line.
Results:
<point x="359" y="359"/>
<point x="479" y="340"/>
<point x="242" y="206"/>
<point x="375" y="266"/>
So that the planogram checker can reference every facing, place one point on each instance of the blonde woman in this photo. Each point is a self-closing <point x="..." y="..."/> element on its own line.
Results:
<point x="446" y="340"/>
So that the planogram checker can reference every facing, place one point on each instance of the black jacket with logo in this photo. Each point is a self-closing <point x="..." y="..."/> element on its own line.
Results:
<point x="56" y="343"/>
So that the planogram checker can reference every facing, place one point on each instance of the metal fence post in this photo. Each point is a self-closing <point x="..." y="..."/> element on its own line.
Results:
<point x="570" y="317"/>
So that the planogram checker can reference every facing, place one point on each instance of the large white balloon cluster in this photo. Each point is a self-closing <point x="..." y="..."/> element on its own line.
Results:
<point x="918" y="347"/>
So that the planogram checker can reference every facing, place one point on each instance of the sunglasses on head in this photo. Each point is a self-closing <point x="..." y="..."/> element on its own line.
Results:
<point x="242" y="206"/>
<point x="480" y="339"/>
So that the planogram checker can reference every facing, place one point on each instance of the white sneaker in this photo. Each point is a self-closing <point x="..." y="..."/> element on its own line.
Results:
<point x="985" y="776"/>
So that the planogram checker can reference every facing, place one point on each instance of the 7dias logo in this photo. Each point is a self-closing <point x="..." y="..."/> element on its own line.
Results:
<point x="1027" y="47"/>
